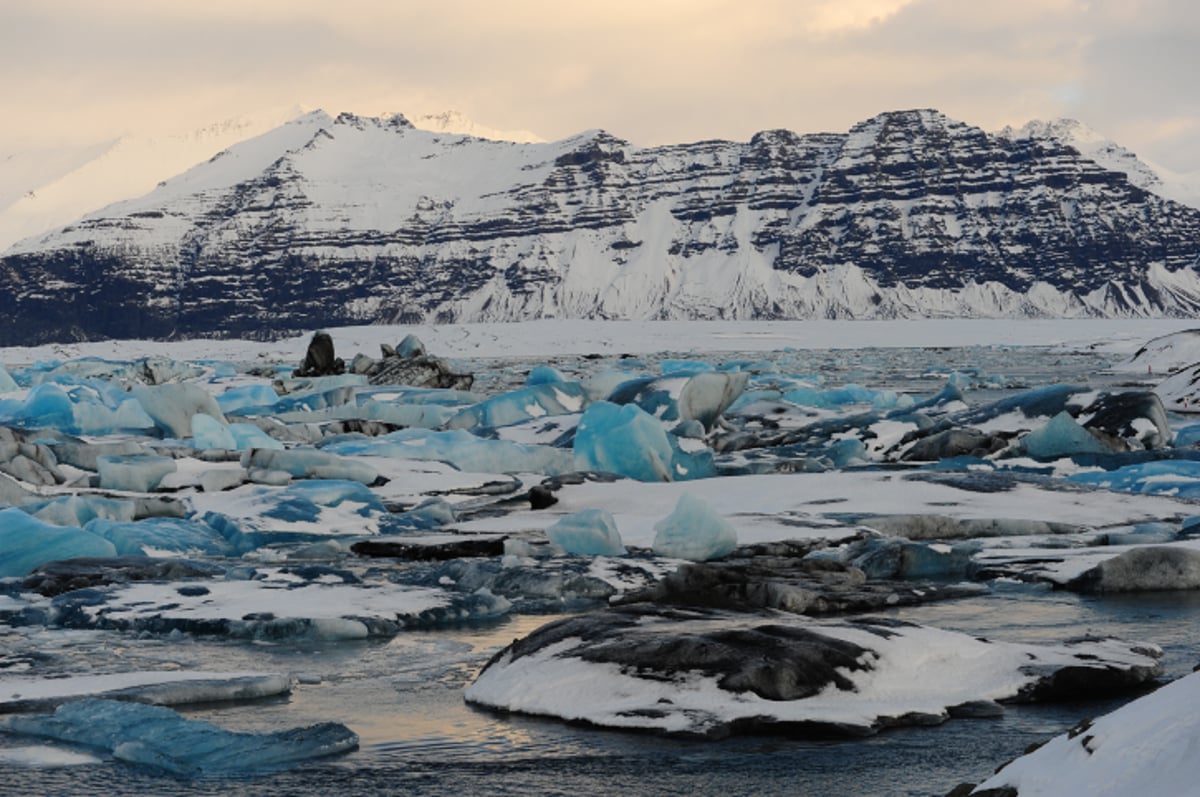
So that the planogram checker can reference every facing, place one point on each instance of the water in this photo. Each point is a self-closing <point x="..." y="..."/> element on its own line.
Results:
<point x="404" y="696"/>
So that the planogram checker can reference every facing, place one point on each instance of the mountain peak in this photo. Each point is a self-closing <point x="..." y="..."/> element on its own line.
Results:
<point x="457" y="123"/>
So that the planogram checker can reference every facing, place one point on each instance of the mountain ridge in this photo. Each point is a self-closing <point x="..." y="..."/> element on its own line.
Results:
<point x="331" y="221"/>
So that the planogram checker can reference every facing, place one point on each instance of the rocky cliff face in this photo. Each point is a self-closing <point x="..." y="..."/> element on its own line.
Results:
<point x="326" y="222"/>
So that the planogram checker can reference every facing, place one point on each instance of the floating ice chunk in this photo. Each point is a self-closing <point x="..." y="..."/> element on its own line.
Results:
<point x="1155" y="567"/>
<point x="208" y="432"/>
<point x="1136" y="419"/>
<point x="687" y="367"/>
<point x="26" y="543"/>
<point x="247" y="436"/>
<point x="78" y="510"/>
<point x="311" y="464"/>
<point x="625" y="440"/>
<point x="706" y="395"/>
<point x="1173" y="477"/>
<point x="592" y="532"/>
<point x="411" y="346"/>
<point x="1062" y="436"/>
<point x="159" y="737"/>
<point x="247" y="397"/>
<point x="214" y="480"/>
<point x="544" y="374"/>
<point x="301" y="512"/>
<point x="1142" y="534"/>
<point x="1041" y="402"/>
<point x="429" y="514"/>
<point x="172" y="406"/>
<point x="846" y="452"/>
<point x="7" y="383"/>
<point x="892" y="558"/>
<point x="462" y="450"/>
<point x="137" y="473"/>
<point x="535" y="401"/>
<point x="601" y="385"/>
<point x="657" y="396"/>
<point x="160" y="537"/>
<point x="694" y="531"/>
<point x="157" y="687"/>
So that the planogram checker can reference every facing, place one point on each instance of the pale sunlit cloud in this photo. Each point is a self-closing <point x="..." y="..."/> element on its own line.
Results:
<point x="651" y="71"/>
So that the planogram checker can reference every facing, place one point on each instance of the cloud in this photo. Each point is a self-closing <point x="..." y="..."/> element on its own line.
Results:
<point x="654" y="72"/>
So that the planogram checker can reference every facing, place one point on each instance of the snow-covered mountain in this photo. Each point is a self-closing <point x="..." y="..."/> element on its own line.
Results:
<point x="457" y="122"/>
<point x="44" y="189"/>
<point x="333" y="221"/>
<point x="1183" y="188"/>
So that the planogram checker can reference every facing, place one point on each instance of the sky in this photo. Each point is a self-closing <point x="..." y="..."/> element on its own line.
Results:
<point x="650" y="71"/>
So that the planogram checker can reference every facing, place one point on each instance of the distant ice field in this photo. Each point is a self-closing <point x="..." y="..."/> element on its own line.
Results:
<point x="574" y="336"/>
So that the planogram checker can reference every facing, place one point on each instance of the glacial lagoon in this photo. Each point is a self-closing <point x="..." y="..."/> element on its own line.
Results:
<point x="400" y="691"/>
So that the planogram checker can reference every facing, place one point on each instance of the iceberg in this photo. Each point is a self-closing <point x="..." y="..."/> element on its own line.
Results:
<point x="163" y="739"/>
<point x="462" y="450"/>
<point x="172" y="406"/>
<point x="160" y="537"/>
<point x="310" y="464"/>
<point x="544" y="374"/>
<point x="591" y="532"/>
<point x="136" y="473"/>
<point x="208" y="432"/>
<point x="706" y="395"/>
<point x="7" y="383"/>
<point x="535" y="401"/>
<point x="78" y="510"/>
<point x="1062" y="436"/>
<point x="305" y="511"/>
<point x="694" y="531"/>
<point x="247" y="399"/>
<point x="26" y="543"/>
<point x="627" y="441"/>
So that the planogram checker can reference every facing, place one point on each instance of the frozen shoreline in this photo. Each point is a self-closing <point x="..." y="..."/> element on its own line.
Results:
<point x="573" y="336"/>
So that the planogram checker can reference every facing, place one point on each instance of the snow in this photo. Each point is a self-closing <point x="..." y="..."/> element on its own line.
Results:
<point x="164" y="688"/>
<point x="1145" y="747"/>
<point x="915" y="669"/>
<point x="278" y="526"/>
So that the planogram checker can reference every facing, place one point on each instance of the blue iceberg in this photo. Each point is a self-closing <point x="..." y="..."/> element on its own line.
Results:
<point x="1062" y="436"/>
<point x="161" y="738"/>
<point x="26" y="543"/>
<point x="627" y="441"/>
<point x="137" y="473"/>
<point x="694" y="531"/>
<point x="591" y="532"/>
<point x="462" y="450"/>
<point x="535" y="401"/>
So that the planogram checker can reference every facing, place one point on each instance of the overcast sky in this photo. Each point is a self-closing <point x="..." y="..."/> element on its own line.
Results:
<point x="651" y="71"/>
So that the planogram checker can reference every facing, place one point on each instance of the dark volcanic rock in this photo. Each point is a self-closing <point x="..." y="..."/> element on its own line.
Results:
<point x="776" y="576"/>
<point x="56" y="578"/>
<point x="1116" y="416"/>
<point x="430" y="551"/>
<point x="319" y="360"/>
<point x="709" y="673"/>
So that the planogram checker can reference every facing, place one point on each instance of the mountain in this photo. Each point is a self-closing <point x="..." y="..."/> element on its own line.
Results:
<point x="1184" y="188"/>
<point x="42" y="190"/>
<point x="457" y="122"/>
<point x="334" y="221"/>
<point x="45" y="189"/>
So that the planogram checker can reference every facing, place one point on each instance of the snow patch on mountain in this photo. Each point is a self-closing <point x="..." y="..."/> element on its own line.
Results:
<point x="1182" y="188"/>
